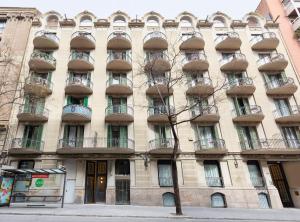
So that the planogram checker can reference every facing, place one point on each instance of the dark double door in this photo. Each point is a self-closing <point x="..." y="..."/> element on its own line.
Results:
<point x="96" y="181"/>
<point x="280" y="182"/>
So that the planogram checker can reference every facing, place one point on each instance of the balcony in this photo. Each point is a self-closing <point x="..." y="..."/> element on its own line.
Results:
<point x="157" y="62"/>
<point x="119" y="61"/>
<point x="95" y="145"/>
<point x="290" y="7"/>
<point x="155" y="40"/>
<point x="159" y="114"/>
<point x="82" y="40"/>
<point x="32" y="113"/>
<point x="192" y="41"/>
<point x="78" y="86"/>
<point x="204" y="114"/>
<point x="200" y="86"/>
<point x="287" y="115"/>
<point x="119" y="40"/>
<point x="81" y="61"/>
<point x="195" y="62"/>
<point x="38" y="86"/>
<point x="122" y="86"/>
<point x="42" y="61"/>
<point x="210" y="146"/>
<point x="252" y="114"/>
<point x="285" y="86"/>
<point x="271" y="146"/>
<point x="234" y="62"/>
<point x="240" y="86"/>
<point x="228" y="41"/>
<point x="265" y="41"/>
<point x="76" y="113"/>
<point x="274" y="62"/>
<point x="23" y="146"/>
<point x="119" y="114"/>
<point x="162" y="146"/>
<point x="296" y="27"/>
<point x="46" y="40"/>
<point x="159" y="86"/>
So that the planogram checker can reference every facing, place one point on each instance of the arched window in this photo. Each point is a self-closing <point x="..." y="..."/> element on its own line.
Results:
<point x="168" y="199"/>
<point x="52" y="20"/>
<point x="219" y="22"/>
<point x="253" y="22"/>
<point x="263" y="200"/>
<point x="186" y="22"/>
<point x="86" y="21"/>
<point x="119" y="21"/>
<point x="152" y="21"/>
<point x="218" y="200"/>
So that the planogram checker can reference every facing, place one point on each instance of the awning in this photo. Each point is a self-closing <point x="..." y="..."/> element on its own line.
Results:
<point x="35" y="171"/>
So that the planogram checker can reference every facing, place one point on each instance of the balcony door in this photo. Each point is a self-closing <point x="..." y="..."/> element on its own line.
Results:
<point x="80" y="78"/>
<point x="248" y="137"/>
<point x="32" y="136"/>
<point x="117" y="78"/>
<point x="235" y="78"/>
<point x="213" y="174"/>
<point x="73" y="135"/>
<point x="273" y="80"/>
<point x="117" y="104"/>
<point x="282" y="107"/>
<point x="207" y="136"/>
<point x="162" y="135"/>
<point x="242" y="106"/>
<point x="34" y="105"/>
<point x="117" y="136"/>
<point x="291" y="136"/>
<point x="83" y="101"/>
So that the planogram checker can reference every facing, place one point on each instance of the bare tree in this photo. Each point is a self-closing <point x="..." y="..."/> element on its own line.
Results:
<point x="170" y="61"/>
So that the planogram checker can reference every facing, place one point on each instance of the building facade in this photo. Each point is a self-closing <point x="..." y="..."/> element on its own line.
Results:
<point x="287" y="14"/>
<point x="15" y="24"/>
<point x="90" y="108"/>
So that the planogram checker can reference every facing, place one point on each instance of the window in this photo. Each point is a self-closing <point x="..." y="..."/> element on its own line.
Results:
<point x="219" y="22"/>
<point x="242" y="106"/>
<point x="119" y="21"/>
<point x="263" y="200"/>
<point x="248" y="137"/>
<point x="26" y="164"/>
<point x="80" y="78"/>
<point x="122" y="167"/>
<point x="213" y="174"/>
<point x="168" y="199"/>
<point x="291" y="136"/>
<point x="282" y="107"/>
<point x="235" y="79"/>
<point x="253" y="22"/>
<point x="117" y="105"/>
<point x="163" y="136"/>
<point x="52" y="20"/>
<point x="165" y="173"/>
<point x="2" y="25"/>
<point x="73" y="136"/>
<point x="86" y="21"/>
<point x="207" y="137"/>
<point x="32" y="137"/>
<point x="152" y="21"/>
<point x="117" y="136"/>
<point x="275" y="80"/>
<point x="82" y="101"/>
<point x="255" y="174"/>
<point x="185" y="22"/>
<point x="218" y="200"/>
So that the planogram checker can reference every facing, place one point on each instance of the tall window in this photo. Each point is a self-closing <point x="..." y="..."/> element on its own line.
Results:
<point x="213" y="174"/>
<point x="248" y="137"/>
<point x="82" y="101"/>
<point x="32" y="137"/>
<point x="73" y="135"/>
<point x="263" y="200"/>
<point x="2" y="25"/>
<point x="255" y="174"/>
<point x="165" y="173"/>
<point x="117" y="136"/>
<point x="282" y="107"/>
<point x="291" y="136"/>
<point x="163" y="136"/>
<point x="207" y="136"/>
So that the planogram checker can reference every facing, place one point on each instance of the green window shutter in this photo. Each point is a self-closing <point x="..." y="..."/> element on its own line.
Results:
<point x="85" y="101"/>
<point x="253" y="134"/>
<point x="109" y="136"/>
<point x="80" y="135"/>
<point x="38" y="137"/>
<point x="66" y="132"/>
<point x="49" y="77"/>
<point x="168" y="132"/>
<point x="123" y="105"/>
<point x="215" y="132"/>
<point x="123" y="137"/>
<point x="241" y="133"/>
<point x="109" y="101"/>
<point x="26" y="103"/>
<point x="40" y="104"/>
<point x="69" y="100"/>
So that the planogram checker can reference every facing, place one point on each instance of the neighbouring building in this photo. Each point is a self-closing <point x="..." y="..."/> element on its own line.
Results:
<point x="88" y="108"/>
<point x="15" y="24"/>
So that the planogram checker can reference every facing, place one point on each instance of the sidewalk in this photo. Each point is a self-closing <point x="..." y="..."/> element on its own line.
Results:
<point x="97" y="210"/>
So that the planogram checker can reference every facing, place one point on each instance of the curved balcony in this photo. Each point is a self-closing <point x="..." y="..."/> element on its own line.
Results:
<point x="241" y="86"/>
<point x="274" y="62"/>
<point x="287" y="115"/>
<point x="265" y="41"/>
<point x="235" y="62"/>
<point x="195" y="62"/>
<point x="155" y="40"/>
<point x="32" y="113"/>
<point x="119" y="40"/>
<point x="119" y="61"/>
<point x="80" y="61"/>
<point x="284" y="86"/>
<point x="78" y="86"/>
<point x="23" y="146"/>
<point x="157" y="62"/>
<point x="192" y="41"/>
<point x="161" y="146"/>
<point x="45" y="40"/>
<point x="159" y="86"/>
<point x="123" y="86"/>
<point x="228" y="41"/>
<point x="204" y="114"/>
<point x="200" y="86"/>
<point x="82" y="40"/>
<point x="210" y="146"/>
<point x="252" y="114"/>
<point x="95" y="145"/>
<point x="119" y="114"/>
<point x="42" y="61"/>
<point x="271" y="147"/>
<point x="38" y="86"/>
<point x="76" y="113"/>
<point x="159" y="114"/>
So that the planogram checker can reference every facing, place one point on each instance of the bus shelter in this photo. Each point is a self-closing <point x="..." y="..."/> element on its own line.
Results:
<point x="29" y="186"/>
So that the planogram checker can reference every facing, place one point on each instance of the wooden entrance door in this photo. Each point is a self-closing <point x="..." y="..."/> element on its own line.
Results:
<point x="96" y="180"/>
<point x="281" y="184"/>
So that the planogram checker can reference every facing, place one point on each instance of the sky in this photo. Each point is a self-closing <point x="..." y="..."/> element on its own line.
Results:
<point x="169" y="9"/>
